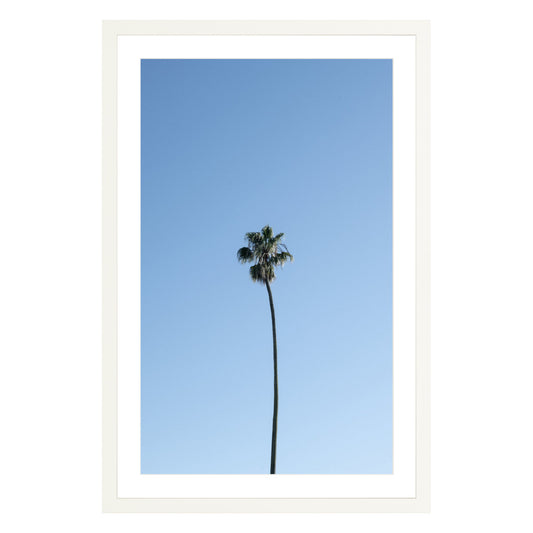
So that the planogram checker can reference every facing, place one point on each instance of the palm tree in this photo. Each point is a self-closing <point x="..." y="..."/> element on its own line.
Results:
<point x="267" y="252"/>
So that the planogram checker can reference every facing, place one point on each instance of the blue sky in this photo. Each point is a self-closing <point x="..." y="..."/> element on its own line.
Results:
<point x="227" y="147"/>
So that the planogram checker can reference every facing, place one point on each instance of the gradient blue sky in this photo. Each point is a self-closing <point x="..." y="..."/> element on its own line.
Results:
<point x="229" y="146"/>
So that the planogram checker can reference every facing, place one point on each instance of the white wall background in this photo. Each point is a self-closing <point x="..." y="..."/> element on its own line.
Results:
<point x="482" y="216"/>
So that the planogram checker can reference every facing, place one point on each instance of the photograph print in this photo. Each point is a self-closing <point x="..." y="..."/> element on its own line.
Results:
<point x="266" y="266"/>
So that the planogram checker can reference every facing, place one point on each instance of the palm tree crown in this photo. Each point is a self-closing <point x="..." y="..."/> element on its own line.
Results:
<point x="267" y="251"/>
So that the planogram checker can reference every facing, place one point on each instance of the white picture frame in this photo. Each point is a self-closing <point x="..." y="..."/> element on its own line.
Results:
<point x="120" y="494"/>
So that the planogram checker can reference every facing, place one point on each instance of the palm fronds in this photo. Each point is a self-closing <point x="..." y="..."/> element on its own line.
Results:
<point x="245" y="255"/>
<point x="267" y="251"/>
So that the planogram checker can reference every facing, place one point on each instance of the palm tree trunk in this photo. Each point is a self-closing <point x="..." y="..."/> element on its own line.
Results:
<point x="275" y="415"/>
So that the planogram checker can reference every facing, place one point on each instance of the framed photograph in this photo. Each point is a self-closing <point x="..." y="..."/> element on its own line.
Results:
<point x="266" y="266"/>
